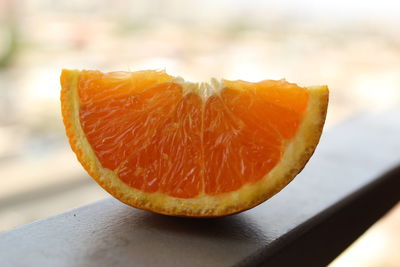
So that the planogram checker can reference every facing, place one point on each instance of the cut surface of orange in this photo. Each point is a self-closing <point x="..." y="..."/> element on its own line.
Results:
<point x="161" y="144"/>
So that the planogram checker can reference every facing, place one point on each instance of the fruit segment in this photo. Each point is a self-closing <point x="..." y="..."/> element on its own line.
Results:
<point x="158" y="137"/>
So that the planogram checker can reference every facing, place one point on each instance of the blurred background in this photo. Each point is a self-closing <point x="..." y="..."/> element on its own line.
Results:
<point x="353" y="46"/>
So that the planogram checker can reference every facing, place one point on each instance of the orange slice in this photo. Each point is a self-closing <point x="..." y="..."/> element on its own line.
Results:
<point x="161" y="144"/>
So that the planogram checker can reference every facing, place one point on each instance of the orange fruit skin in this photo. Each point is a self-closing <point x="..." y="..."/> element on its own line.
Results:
<point x="235" y="197"/>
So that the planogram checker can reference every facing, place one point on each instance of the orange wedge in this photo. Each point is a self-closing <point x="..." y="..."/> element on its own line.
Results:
<point x="158" y="143"/>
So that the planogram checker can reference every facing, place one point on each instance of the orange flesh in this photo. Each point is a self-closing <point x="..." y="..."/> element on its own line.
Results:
<point x="159" y="139"/>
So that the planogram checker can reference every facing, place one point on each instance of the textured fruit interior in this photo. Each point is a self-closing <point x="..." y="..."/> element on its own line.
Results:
<point x="158" y="137"/>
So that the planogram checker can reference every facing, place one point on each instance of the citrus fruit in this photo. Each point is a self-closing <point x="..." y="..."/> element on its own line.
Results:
<point x="161" y="144"/>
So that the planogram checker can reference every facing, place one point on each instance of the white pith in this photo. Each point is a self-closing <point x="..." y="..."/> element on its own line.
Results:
<point x="203" y="89"/>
